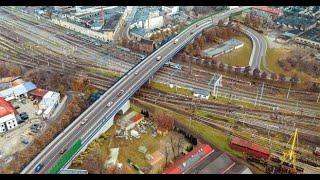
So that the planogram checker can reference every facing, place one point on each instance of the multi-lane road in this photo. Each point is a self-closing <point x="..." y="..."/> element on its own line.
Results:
<point x="99" y="113"/>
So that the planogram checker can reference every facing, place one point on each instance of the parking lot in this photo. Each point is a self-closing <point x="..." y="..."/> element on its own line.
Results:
<point x="18" y="138"/>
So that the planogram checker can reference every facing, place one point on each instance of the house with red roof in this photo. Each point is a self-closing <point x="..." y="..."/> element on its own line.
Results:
<point x="7" y="116"/>
<point x="187" y="162"/>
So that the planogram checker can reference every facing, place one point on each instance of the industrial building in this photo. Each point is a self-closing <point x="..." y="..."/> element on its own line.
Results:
<point x="17" y="91"/>
<point x="96" y="22"/>
<point x="267" y="11"/>
<point x="223" y="48"/>
<point x="170" y="10"/>
<point x="302" y="23"/>
<point x="310" y="38"/>
<point x="8" y="114"/>
<point x="147" y="18"/>
<point x="185" y="163"/>
<point x="49" y="103"/>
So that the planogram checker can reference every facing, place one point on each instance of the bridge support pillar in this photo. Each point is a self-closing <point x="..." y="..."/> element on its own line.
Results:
<point x="125" y="107"/>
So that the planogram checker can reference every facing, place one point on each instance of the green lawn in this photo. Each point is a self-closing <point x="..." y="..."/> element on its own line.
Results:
<point x="241" y="56"/>
<point x="105" y="72"/>
<point x="214" y="116"/>
<point x="166" y="88"/>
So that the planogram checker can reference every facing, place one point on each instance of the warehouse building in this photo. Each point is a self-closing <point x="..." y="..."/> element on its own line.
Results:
<point x="49" y="103"/>
<point x="223" y="48"/>
<point x="17" y="91"/>
<point x="310" y="38"/>
<point x="296" y="22"/>
<point x="185" y="163"/>
<point x="7" y="116"/>
<point x="147" y="18"/>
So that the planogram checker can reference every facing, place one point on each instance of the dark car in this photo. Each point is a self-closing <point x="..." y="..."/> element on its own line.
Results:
<point x="24" y="116"/>
<point x="39" y="167"/>
<point x="120" y="93"/>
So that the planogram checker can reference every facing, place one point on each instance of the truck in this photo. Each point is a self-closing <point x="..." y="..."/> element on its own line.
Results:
<point x="158" y="58"/>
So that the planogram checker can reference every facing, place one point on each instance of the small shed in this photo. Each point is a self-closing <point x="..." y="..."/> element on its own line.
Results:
<point x="201" y="93"/>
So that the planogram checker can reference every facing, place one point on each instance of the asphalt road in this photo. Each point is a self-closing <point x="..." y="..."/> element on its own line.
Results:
<point x="98" y="112"/>
<point x="259" y="47"/>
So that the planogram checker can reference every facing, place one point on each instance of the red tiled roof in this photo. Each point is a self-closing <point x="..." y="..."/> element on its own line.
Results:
<point x="175" y="168"/>
<point x="6" y="108"/>
<point x="137" y="117"/>
<point x="269" y="10"/>
<point x="38" y="92"/>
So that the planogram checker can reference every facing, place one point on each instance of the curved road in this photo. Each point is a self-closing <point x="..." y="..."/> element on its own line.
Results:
<point x="259" y="47"/>
<point x="97" y="114"/>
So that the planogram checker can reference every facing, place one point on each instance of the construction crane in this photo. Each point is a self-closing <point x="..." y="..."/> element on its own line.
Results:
<point x="289" y="159"/>
<point x="287" y="163"/>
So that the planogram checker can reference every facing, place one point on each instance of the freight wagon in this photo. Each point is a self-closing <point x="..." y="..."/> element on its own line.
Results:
<point x="250" y="148"/>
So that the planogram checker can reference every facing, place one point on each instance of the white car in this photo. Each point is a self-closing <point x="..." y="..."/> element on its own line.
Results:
<point x="109" y="104"/>
<point x="84" y="121"/>
<point x="158" y="58"/>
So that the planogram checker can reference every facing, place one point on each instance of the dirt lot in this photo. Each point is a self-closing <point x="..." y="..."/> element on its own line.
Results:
<point x="128" y="149"/>
<point x="11" y="141"/>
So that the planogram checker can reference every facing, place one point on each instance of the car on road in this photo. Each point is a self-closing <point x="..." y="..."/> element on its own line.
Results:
<point x="84" y="121"/>
<point x="109" y="104"/>
<point x="136" y="73"/>
<point x="63" y="150"/>
<point x="191" y="32"/>
<point x="120" y="93"/>
<point x="158" y="58"/>
<point x="39" y="167"/>
<point x="176" y="41"/>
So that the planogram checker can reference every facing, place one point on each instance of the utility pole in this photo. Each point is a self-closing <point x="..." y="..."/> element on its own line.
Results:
<point x="289" y="91"/>
<point x="255" y="101"/>
<point x="262" y="88"/>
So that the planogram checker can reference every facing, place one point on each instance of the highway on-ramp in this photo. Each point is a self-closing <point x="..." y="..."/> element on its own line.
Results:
<point x="98" y="113"/>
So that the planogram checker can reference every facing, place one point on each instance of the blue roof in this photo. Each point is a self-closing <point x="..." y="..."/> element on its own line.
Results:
<point x="139" y="31"/>
<point x="18" y="90"/>
<point x="288" y="34"/>
<point x="201" y="91"/>
<point x="142" y="14"/>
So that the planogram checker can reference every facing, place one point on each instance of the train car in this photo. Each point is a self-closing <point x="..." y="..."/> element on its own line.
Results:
<point x="250" y="148"/>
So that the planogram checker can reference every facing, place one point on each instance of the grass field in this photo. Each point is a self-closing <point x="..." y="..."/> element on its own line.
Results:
<point x="241" y="56"/>
<point x="104" y="72"/>
<point x="272" y="57"/>
<point x="166" y="88"/>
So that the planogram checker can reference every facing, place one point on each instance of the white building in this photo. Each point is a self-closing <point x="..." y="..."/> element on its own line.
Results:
<point x="147" y="18"/>
<point x="170" y="10"/>
<point x="8" y="122"/>
<point x="49" y="99"/>
<point x="16" y="91"/>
